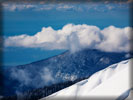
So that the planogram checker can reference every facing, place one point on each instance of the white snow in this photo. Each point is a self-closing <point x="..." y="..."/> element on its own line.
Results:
<point x="111" y="82"/>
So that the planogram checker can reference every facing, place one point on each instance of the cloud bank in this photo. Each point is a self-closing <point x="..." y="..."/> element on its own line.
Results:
<point x="74" y="38"/>
<point x="106" y="6"/>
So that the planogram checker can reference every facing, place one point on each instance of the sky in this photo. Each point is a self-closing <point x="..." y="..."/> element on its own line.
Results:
<point x="34" y="32"/>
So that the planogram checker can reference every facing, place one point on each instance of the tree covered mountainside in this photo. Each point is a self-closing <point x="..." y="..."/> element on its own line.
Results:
<point x="58" y="69"/>
<point x="41" y="92"/>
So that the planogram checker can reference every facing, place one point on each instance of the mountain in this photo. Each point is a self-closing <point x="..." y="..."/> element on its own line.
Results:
<point x="111" y="83"/>
<point x="40" y="92"/>
<point x="61" y="68"/>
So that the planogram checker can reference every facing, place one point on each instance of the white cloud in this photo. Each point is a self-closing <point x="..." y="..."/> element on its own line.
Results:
<point x="24" y="6"/>
<point x="36" y="7"/>
<point x="22" y="76"/>
<point x="100" y="7"/>
<point x="115" y="39"/>
<point x="46" y="75"/>
<point x="26" y="78"/>
<point x="13" y="6"/>
<point x="74" y="38"/>
<point x="65" y="7"/>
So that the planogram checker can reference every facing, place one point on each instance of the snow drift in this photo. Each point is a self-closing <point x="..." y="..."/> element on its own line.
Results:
<point x="112" y="82"/>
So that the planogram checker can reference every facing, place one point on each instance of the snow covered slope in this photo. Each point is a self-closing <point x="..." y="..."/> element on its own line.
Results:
<point x="112" y="82"/>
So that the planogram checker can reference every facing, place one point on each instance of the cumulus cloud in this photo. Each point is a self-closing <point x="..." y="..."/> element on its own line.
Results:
<point x="115" y="39"/>
<point x="75" y="37"/>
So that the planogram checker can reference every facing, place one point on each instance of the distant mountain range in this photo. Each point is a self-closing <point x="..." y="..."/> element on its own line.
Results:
<point x="58" y="69"/>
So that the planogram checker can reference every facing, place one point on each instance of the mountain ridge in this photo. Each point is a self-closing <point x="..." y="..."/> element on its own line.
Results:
<point x="60" y="68"/>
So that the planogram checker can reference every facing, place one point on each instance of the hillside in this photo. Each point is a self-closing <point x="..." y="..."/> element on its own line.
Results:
<point x="61" y="68"/>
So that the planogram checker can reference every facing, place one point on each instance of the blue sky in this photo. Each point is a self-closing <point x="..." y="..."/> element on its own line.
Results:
<point x="29" y="19"/>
